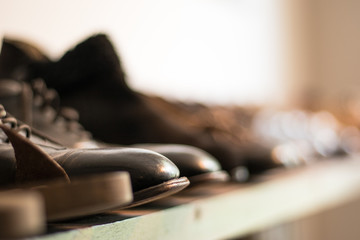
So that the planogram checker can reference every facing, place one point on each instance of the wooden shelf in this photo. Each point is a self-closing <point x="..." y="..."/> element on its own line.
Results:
<point x="218" y="211"/>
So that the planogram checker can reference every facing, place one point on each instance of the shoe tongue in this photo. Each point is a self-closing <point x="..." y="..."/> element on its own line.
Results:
<point x="33" y="165"/>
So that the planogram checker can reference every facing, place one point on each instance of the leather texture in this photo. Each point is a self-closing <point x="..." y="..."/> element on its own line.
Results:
<point x="146" y="168"/>
<point x="192" y="161"/>
<point x="64" y="127"/>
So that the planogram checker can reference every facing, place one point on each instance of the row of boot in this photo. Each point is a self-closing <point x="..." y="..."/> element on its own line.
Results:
<point x="113" y="147"/>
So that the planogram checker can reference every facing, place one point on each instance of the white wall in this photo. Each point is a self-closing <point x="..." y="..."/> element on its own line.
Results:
<point x="206" y="50"/>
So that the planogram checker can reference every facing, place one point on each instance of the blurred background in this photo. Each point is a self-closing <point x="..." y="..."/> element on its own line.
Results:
<point x="212" y="51"/>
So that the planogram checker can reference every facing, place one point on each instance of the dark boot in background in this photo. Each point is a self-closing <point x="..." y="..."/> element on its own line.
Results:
<point x="90" y="79"/>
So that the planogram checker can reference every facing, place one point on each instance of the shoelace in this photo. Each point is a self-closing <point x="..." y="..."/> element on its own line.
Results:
<point x="32" y="164"/>
<point x="45" y="98"/>
<point x="13" y="123"/>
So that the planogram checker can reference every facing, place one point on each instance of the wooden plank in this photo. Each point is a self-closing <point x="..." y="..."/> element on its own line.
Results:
<point x="217" y="211"/>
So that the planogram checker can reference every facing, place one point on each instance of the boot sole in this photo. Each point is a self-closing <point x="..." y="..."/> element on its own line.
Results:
<point x="218" y="176"/>
<point x="159" y="191"/>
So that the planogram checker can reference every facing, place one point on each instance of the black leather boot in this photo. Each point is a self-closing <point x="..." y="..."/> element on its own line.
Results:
<point x="36" y="171"/>
<point x="152" y="175"/>
<point x="61" y="197"/>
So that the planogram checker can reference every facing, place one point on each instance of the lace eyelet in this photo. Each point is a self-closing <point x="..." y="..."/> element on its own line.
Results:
<point x="13" y="122"/>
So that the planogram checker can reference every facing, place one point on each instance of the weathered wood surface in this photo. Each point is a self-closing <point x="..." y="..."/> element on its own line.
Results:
<point x="218" y="211"/>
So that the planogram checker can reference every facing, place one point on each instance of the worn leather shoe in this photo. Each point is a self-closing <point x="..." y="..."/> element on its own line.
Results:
<point x="153" y="176"/>
<point x="62" y="198"/>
